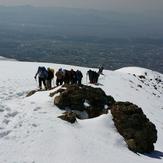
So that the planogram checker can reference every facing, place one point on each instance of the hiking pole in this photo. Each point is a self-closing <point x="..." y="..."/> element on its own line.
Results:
<point x="35" y="79"/>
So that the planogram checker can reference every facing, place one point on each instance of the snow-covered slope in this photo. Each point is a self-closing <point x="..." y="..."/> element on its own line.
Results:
<point x="30" y="131"/>
<point x="8" y="59"/>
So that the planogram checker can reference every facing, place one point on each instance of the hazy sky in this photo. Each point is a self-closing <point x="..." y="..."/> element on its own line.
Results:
<point x="114" y="5"/>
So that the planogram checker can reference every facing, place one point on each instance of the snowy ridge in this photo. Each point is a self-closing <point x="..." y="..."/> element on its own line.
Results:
<point x="30" y="131"/>
<point x="6" y="59"/>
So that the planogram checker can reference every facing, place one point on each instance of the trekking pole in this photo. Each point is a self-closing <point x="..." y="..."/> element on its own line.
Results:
<point x="35" y="79"/>
<point x="86" y="80"/>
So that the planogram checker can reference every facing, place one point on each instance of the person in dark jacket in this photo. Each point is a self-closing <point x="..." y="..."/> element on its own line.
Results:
<point x="42" y="76"/>
<point x="79" y="77"/>
<point x="73" y="77"/>
<point x="66" y="76"/>
<point x="50" y="77"/>
<point x="90" y="74"/>
<point x="59" y="75"/>
<point x="93" y="76"/>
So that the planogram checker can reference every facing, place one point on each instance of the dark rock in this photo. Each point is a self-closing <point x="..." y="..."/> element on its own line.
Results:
<point x="154" y="94"/>
<point x="155" y="87"/>
<point x="110" y="101"/>
<point x="95" y="112"/>
<point x="158" y="80"/>
<point x="141" y="77"/>
<point x="74" y="97"/>
<point x="31" y="93"/>
<point x="139" y="85"/>
<point x="138" y="132"/>
<point x="68" y="116"/>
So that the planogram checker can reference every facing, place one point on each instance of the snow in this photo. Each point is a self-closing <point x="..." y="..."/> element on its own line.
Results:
<point x="30" y="131"/>
<point x="8" y="59"/>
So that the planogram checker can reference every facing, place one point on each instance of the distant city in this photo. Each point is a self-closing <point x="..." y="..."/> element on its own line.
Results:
<point x="46" y="37"/>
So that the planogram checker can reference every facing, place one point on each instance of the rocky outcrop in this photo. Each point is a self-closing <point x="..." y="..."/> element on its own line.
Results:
<point x="92" y="101"/>
<point x="87" y="102"/>
<point x="139" y="133"/>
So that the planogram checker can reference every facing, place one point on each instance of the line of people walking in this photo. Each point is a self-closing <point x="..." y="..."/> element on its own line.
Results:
<point x="68" y="77"/>
<point x="45" y="76"/>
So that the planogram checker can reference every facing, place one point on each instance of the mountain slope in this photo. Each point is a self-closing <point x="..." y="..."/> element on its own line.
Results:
<point x="31" y="132"/>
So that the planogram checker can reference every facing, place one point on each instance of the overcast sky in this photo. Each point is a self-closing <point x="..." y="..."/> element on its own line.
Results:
<point x="114" y="5"/>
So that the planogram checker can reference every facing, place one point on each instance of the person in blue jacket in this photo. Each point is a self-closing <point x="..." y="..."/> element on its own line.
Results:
<point x="42" y="76"/>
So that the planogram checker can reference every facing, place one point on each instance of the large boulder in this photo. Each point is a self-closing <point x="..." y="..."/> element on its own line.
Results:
<point x="139" y="133"/>
<point x="83" y="98"/>
<point x="70" y="98"/>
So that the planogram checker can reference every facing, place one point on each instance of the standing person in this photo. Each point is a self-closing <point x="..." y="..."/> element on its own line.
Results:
<point x="100" y="70"/>
<point x="66" y="76"/>
<point x="50" y="77"/>
<point x="79" y="77"/>
<point x="42" y="76"/>
<point x="73" y="77"/>
<point x="59" y="75"/>
<point x="96" y="76"/>
<point x="93" y="76"/>
<point x="90" y="74"/>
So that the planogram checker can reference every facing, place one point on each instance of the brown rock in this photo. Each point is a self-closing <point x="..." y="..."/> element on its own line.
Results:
<point x="139" y="133"/>
<point x="68" y="116"/>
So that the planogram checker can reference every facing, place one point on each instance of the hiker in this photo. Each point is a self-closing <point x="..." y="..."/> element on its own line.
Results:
<point x="79" y="77"/>
<point x="100" y="71"/>
<point x="90" y="74"/>
<point x="50" y="77"/>
<point x="59" y="75"/>
<point x="66" y="76"/>
<point x="93" y="76"/>
<point x="73" y="77"/>
<point x="42" y="76"/>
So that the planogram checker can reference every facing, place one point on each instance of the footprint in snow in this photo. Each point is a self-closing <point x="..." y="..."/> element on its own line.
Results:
<point x="6" y="121"/>
<point x="13" y="114"/>
<point x="37" y="108"/>
<point x="4" y="133"/>
<point x="1" y="110"/>
<point x="42" y="112"/>
<point x="34" y="125"/>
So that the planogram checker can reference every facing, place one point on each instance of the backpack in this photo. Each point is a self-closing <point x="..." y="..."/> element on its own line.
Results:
<point x="52" y="70"/>
<point x="42" y="72"/>
<point x="50" y="73"/>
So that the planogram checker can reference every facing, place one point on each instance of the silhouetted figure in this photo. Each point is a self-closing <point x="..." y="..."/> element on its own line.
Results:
<point x="59" y="75"/>
<point x="93" y="76"/>
<point x="42" y="76"/>
<point x="66" y="76"/>
<point x="50" y="77"/>
<point x="79" y="77"/>
<point x="100" y="71"/>
<point x="73" y="77"/>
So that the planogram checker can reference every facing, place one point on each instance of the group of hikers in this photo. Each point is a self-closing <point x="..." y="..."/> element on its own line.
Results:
<point x="68" y="77"/>
<point x="46" y="76"/>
